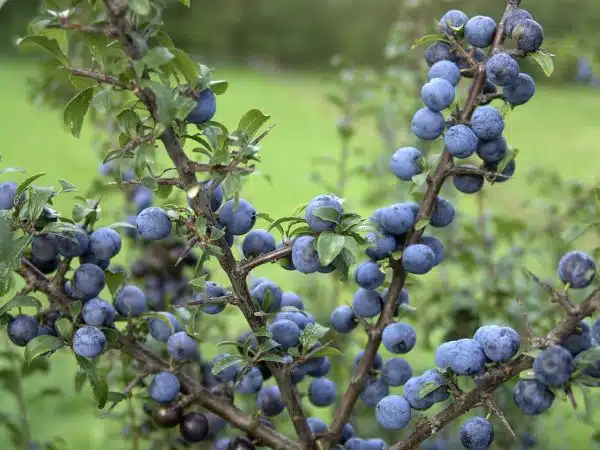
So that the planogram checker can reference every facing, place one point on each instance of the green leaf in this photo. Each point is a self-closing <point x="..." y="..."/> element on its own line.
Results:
<point x="311" y="335"/>
<point x="273" y="357"/>
<point x="157" y="56"/>
<point x="38" y="198"/>
<point x="64" y="328"/>
<point x="20" y="301"/>
<point x="327" y="351"/>
<point x="118" y="225"/>
<point x="421" y="224"/>
<point x="588" y="357"/>
<point x="329" y="245"/>
<point x="76" y="110"/>
<point x="527" y="375"/>
<point x="428" y="38"/>
<point x="545" y="61"/>
<point x="328" y="213"/>
<point x="114" y="280"/>
<point x="27" y="182"/>
<point x="97" y="382"/>
<point x="164" y="190"/>
<point x="420" y="179"/>
<point x="428" y="389"/>
<point x="46" y="43"/>
<point x="219" y="87"/>
<point x="141" y="7"/>
<point x="66" y="186"/>
<point x="184" y="2"/>
<point x="76" y="308"/>
<point x="165" y="101"/>
<point x="252" y="121"/>
<point x="197" y="284"/>
<point x="186" y="66"/>
<point x="42" y="345"/>
<point x="225" y="362"/>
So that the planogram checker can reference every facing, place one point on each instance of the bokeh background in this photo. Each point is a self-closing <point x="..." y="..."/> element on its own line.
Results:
<point x="277" y="57"/>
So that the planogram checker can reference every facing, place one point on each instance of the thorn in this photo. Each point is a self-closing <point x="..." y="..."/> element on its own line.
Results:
<point x="571" y="397"/>
<point x="263" y="134"/>
<point x="493" y="409"/>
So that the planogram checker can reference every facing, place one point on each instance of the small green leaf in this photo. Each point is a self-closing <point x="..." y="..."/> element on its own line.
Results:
<point x="329" y="246"/>
<point x="588" y="357"/>
<point x="64" y="328"/>
<point x="164" y="190"/>
<point x="225" y="362"/>
<point x="328" y="213"/>
<point x="38" y="198"/>
<point x="428" y="389"/>
<point x="114" y="280"/>
<point x="20" y="301"/>
<point x="219" y="87"/>
<point x="420" y="179"/>
<point x="165" y="101"/>
<point x="311" y="335"/>
<point x="197" y="284"/>
<point x="76" y="110"/>
<point x="252" y="121"/>
<point x="97" y="382"/>
<point x="46" y="43"/>
<point x="42" y="345"/>
<point x="118" y="225"/>
<point x="428" y="38"/>
<point x="66" y="186"/>
<point x="157" y="56"/>
<point x="76" y="307"/>
<point x="327" y="351"/>
<point x="141" y="7"/>
<point x="545" y="61"/>
<point x="421" y="224"/>
<point x="273" y="358"/>
<point x="27" y="182"/>
<point x="184" y="2"/>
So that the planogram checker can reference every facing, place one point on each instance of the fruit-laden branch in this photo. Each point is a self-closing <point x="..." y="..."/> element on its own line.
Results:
<point x="435" y="182"/>
<point x="494" y="378"/>
<point x="153" y="364"/>
<point x="200" y="203"/>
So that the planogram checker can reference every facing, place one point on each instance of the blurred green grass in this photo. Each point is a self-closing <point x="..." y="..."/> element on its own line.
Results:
<point x="558" y="129"/>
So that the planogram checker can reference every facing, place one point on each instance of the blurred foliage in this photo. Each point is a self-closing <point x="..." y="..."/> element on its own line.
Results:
<point x="305" y="33"/>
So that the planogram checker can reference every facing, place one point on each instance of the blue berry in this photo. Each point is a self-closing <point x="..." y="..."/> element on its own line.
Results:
<point x="502" y="69"/>
<point x="131" y="300"/>
<point x="22" y="329"/>
<point x="304" y="256"/>
<point x="436" y="246"/>
<point x="88" y="342"/>
<point x="443" y="213"/>
<point x="342" y="319"/>
<point x="399" y="338"/>
<point x="269" y="401"/>
<point x="285" y="332"/>
<point x="438" y="94"/>
<point x="418" y="259"/>
<point x="438" y="51"/>
<point x="319" y="370"/>
<point x="251" y="382"/>
<point x="164" y="387"/>
<point x="257" y="242"/>
<point x="581" y="338"/>
<point x="321" y="392"/>
<point x="553" y="366"/>
<point x="529" y="35"/>
<point x="381" y="246"/>
<point x="492" y="152"/>
<point x="460" y="141"/>
<point x="238" y="219"/>
<point x="476" y="434"/>
<point x="98" y="313"/>
<point x="521" y="91"/>
<point x="577" y="269"/>
<point x="367" y="303"/>
<point x="142" y="197"/>
<point x="205" y="109"/>
<point x="532" y="397"/>
<point x="447" y="70"/>
<point x="292" y="299"/>
<point x="270" y="289"/>
<point x="182" y="347"/>
<point x="8" y="191"/>
<point x="427" y="124"/>
<point x="72" y="244"/>
<point x="88" y="281"/>
<point x="513" y="18"/>
<point x="160" y="331"/>
<point x="393" y="412"/>
<point x="377" y="361"/>
<point x="468" y="184"/>
<point x="211" y="290"/>
<point x="487" y="123"/>
<point x="316" y="425"/>
<point x="328" y="221"/>
<point x="405" y="163"/>
<point x="453" y="19"/>
<point x="415" y="385"/>
<point x="374" y="390"/>
<point x="398" y="218"/>
<point x="229" y="373"/>
<point x="43" y="247"/>
<point x="396" y="372"/>
<point x="480" y="31"/>
<point x="464" y="357"/>
<point x="499" y="344"/>
<point x="153" y="224"/>
<point x="369" y="276"/>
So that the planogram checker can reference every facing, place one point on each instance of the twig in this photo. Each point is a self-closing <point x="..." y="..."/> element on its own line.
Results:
<point x="216" y="168"/>
<point x="226" y="299"/>
<point x="98" y="76"/>
<point x="245" y="266"/>
<point x="105" y="30"/>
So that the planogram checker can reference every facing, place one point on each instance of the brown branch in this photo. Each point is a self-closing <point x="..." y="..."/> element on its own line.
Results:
<point x="247" y="265"/>
<point x="153" y="364"/>
<point x="106" y="30"/>
<point x="217" y="168"/>
<point x="200" y="204"/>
<point x="227" y="299"/>
<point x="163" y="181"/>
<point x="496" y="377"/>
<point x="98" y="76"/>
